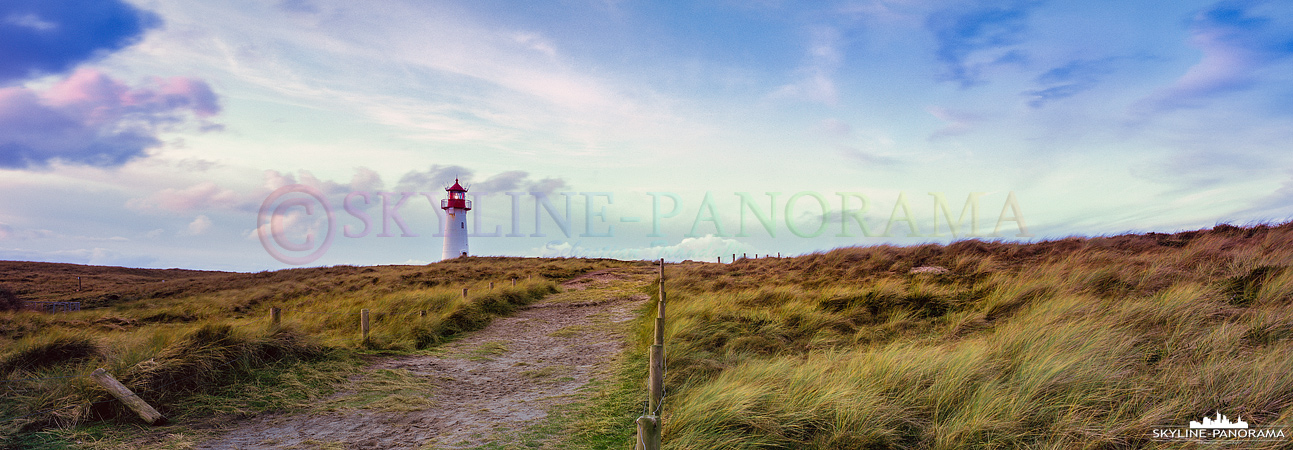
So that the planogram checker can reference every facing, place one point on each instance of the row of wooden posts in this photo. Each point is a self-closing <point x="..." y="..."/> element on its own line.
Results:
<point x="745" y="256"/>
<point x="649" y="424"/>
<point x="276" y="317"/>
<point x="150" y="414"/>
<point x="276" y="313"/>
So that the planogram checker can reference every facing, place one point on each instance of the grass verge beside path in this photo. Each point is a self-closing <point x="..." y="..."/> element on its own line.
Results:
<point x="213" y="354"/>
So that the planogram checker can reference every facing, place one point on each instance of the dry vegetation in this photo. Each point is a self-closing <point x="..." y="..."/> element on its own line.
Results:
<point x="200" y="343"/>
<point x="1075" y="343"/>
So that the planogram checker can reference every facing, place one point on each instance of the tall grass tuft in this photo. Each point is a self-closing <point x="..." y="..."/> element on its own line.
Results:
<point x="45" y="352"/>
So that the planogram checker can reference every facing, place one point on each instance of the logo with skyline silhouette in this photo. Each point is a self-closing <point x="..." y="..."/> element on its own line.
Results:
<point x="1220" y="429"/>
<point x="1220" y="422"/>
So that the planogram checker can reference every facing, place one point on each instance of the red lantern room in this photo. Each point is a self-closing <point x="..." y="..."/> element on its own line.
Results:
<point x="457" y="197"/>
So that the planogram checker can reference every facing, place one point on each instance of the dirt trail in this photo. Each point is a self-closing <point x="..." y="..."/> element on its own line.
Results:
<point x="495" y="381"/>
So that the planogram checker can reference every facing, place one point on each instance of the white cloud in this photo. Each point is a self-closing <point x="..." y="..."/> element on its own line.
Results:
<point x="1236" y="40"/>
<point x="816" y="77"/>
<point x="32" y="21"/>
<point x="958" y="122"/>
<point x="8" y="232"/>
<point x="535" y="42"/>
<point x="201" y="196"/>
<point x="199" y="226"/>
<point x="97" y="256"/>
<point x="433" y="71"/>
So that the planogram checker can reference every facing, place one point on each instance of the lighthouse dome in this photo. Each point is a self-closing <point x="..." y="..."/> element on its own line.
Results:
<point x="456" y="187"/>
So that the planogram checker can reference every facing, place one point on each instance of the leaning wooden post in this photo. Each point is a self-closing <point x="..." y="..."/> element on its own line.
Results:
<point x="121" y="392"/>
<point x="464" y="292"/>
<point x="275" y="315"/>
<point x="649" y="425"/>
<point x="363" y="323"/>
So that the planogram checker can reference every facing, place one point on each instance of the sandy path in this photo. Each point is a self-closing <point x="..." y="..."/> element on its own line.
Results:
<point x="499" y="379"/>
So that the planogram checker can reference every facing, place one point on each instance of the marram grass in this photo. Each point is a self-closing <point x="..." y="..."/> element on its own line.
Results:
<point x="203" y="344"/>
<point x="1078" y="343"/>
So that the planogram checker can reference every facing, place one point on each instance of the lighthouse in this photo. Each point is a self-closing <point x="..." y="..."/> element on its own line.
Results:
<point x="455" y="228"/>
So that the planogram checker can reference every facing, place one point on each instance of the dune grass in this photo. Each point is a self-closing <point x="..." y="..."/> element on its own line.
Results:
<point x="1072" y="343"/>
<point x="1077" y="343"/>
<point x="204" y="345"/>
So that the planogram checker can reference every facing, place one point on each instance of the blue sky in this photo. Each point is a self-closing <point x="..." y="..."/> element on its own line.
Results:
<point x="150" y="133"/>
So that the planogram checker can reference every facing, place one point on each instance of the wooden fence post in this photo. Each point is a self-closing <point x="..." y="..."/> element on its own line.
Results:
<point x="513" y="281"/>
<point x="648" y="433"/>
<point x="275" y="315"/>
<point x="649" y="425"/>
<point x="363" y="323"/>
<point x="464" y="292"/>
<point x="491" y="285"/>
<point x="118" y="390"/>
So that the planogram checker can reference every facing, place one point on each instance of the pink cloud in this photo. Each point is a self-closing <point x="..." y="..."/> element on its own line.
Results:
<point x="1237" y="41"/>
<point x="90" y="118"/>
<point x="201" y="196"/>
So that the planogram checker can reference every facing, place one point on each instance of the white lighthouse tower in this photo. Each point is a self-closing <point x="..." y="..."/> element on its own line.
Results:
<point x="455" y="229"/>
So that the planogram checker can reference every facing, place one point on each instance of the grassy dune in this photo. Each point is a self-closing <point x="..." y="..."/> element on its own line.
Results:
<point x="200" y="343"/>
<point x="1077" y="343"/>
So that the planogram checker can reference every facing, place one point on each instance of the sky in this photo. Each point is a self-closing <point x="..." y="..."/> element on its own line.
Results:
<point x="258" y="135"/>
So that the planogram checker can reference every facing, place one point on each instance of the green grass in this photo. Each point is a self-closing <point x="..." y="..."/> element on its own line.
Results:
<point x="384" y="390"/>
<point x="615" y="399"/>
<point x="486" y="351"/>
<point x="604" y="415"/>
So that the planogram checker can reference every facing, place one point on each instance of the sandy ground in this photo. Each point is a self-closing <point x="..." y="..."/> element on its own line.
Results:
<point x="497" y="380"/>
